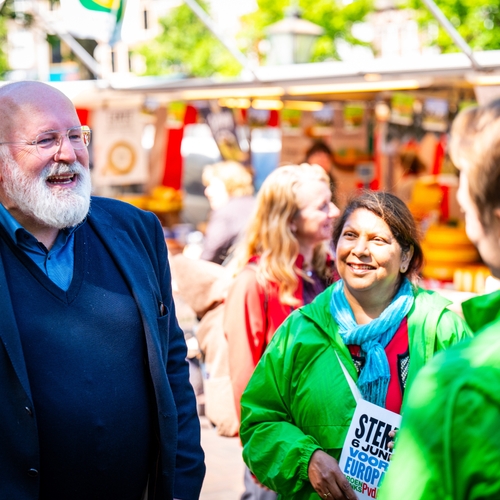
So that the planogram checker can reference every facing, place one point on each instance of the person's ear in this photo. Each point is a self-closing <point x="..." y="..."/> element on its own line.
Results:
<point x="496" y="214"/>
<point x="406" y="259"/>
<point x="496" y="222"/>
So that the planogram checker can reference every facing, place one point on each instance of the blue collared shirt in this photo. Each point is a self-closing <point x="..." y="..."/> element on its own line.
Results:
<point x="57" y="263"/>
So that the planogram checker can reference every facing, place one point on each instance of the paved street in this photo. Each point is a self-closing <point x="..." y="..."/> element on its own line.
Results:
<point x="224" y="479"/>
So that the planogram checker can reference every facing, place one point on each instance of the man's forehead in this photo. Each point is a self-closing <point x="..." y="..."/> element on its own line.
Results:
<point x="27" y="89"/>
<point x="34" y="105"/>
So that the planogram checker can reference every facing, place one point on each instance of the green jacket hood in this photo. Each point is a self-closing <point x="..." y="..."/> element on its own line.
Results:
<point x="318" y="311"/>
<point x="482" y="310"/>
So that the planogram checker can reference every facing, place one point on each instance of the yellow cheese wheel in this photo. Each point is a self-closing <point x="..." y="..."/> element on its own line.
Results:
<point x="452" y="255"/>
<point x="166" y="193"/>
<point x="470" y="278"/>
<point x="439" y="271"/>
<point x="136" y="200"/>
<point x="446" y="236"/>
<point x="163" y="205"/>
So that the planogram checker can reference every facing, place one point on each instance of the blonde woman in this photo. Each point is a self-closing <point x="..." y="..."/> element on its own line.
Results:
<point x="229" y="189"/>
<point x="284" y="261"/>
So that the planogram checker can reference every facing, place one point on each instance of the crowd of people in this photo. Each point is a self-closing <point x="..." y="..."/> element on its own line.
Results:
<point x="367" y="321"/>
<point x="323" y="308"/>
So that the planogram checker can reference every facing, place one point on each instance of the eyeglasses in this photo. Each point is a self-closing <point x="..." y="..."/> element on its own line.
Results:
<point x="47" y="143"/>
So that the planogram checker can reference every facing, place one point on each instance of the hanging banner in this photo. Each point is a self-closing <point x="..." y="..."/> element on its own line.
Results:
<point x="222" y="124"/>
<point x="291" y="121"/>
<point x="179" y="115"/>
<point x="354" y="116"/>
<point x="323" y="120"/>
<point x="435" y="115"/>
<point x="119" y="158"/>
<point x="402" y="109"/>
<point x="99" y="20"/>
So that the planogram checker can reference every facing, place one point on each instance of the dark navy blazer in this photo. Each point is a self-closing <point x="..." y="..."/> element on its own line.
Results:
<point x="135" y="240"/>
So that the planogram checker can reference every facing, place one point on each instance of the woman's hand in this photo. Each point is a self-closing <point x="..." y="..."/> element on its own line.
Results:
<point x="392" y="435"/>
<point x="327" y="478"/>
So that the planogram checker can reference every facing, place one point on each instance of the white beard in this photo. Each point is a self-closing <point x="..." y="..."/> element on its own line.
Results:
<point x="53" y="207"/>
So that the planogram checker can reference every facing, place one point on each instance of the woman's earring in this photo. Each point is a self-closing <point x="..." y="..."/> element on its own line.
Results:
<point x="402" y="269"/>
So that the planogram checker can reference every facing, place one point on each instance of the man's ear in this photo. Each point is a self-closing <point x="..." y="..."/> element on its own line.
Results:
<point x="496" y="222"/>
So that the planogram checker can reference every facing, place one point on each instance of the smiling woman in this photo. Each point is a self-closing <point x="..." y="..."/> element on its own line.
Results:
<point x="375" y="322"/>
<point x="377" y="247"/>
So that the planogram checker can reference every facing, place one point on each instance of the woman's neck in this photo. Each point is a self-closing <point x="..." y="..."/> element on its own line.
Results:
<point x="307" y="252"/>
<point x="368" y="304"/>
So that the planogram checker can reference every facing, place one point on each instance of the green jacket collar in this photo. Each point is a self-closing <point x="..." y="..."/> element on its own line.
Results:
<point x="319" y="310"/>
<point x="480" y="311"/>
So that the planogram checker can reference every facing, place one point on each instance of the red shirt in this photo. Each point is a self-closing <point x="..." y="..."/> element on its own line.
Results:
<point x="398" y="355"/>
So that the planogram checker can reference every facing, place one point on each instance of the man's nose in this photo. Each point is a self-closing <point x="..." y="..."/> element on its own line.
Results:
<point x="65" y="151"/>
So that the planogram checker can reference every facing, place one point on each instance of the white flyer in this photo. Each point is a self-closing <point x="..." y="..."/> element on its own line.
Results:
<point x="365" y="456"/>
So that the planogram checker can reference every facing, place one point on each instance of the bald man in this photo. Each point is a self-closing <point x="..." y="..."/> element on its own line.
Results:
<point x="95" y="401"/>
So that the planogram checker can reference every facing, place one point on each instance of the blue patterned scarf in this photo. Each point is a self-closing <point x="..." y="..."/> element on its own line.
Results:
<point x="372" y="337"/>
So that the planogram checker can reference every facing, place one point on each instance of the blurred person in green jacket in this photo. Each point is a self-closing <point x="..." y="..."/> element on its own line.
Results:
<point x="298" y="406"/>
<point x="449" y="443"/>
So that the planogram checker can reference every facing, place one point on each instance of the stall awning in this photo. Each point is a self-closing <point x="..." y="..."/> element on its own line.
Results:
<point x="315" y="81"/>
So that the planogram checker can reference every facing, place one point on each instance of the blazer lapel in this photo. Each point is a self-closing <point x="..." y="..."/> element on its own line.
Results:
<point x="130" y="263"/>
<point x="9" y="333"/>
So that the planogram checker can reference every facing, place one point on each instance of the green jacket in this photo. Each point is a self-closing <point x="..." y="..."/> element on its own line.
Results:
<point x="298" y="399"/>
<point x="448" y="447"/>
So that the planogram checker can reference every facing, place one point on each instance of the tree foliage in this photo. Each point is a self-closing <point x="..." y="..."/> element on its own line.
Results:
<point x="336" y="17"/>
<point x="187" y="46"/>
<point x="4" y="63"/>
<point x="477" y="21"/>
<point x="6" y="13"/>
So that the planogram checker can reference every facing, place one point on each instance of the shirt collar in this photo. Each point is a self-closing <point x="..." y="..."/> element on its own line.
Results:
<point x="15" y="230"/>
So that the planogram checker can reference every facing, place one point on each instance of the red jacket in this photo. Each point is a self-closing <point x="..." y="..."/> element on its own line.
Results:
<point x="252" y="314"/>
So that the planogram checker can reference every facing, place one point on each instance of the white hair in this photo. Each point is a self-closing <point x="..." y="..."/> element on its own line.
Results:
<point x="53" y="207"/>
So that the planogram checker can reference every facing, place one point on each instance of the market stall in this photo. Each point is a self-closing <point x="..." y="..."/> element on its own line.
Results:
<point x="370" y="113"/>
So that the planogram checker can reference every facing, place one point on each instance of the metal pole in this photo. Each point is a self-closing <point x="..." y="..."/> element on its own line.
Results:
<point x="210" y="24"/>
<point x="454" y="34"/>
<point x="93" y="66"/>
